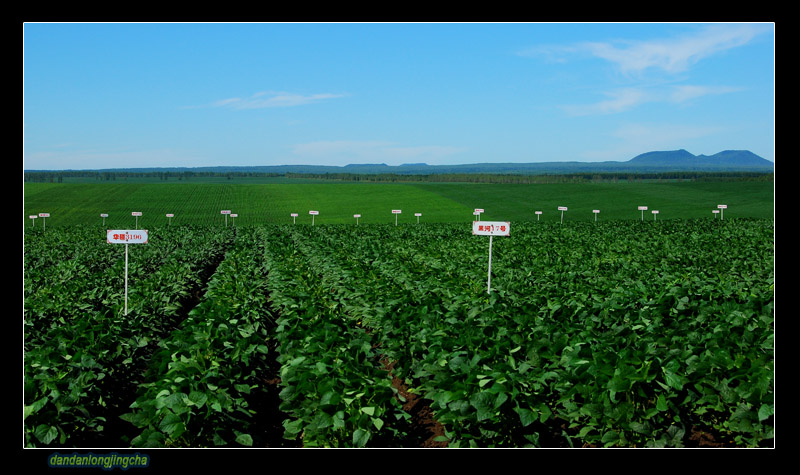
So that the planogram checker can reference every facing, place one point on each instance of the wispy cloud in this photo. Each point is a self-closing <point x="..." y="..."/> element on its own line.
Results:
<point x="267" y="99"/>
<point x="619" y="101"/>
<point x="625" y="99"/>
<point x="671" y="55"/>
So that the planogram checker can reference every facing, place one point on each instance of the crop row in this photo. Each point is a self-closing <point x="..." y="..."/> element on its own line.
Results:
<point x="82" y="352"/>
<point x="615" y="335"/>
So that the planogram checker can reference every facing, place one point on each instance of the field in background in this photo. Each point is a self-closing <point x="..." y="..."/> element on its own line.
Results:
<point x="193" y="203"/>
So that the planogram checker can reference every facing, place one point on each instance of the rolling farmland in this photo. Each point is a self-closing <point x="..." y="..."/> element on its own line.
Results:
<point x="267" y="334"/>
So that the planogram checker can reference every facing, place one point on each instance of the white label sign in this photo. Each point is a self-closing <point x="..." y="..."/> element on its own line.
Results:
<point x="356" y="215"/>
<point x="225" y="211"/>
<point x="396" y="211"/>
<point x="562" y="208"/>
<point x="479" y="210"/>
<point x="655" y="211"/>
<point x="234" y="215"/>
<point x="126" y="236"/>
<point x="33" y="216"/>
<point x="103" y="215"/>
<point x="595" y="211"/>
<point x="44" y="215"/>
<point x="491" y="228"/>
<point x="722" y="206"/>
<point x="313" y="213"/>
<point x="642" y="208"/>
<point x="538" y="212"/>
<point x="293" y="215"/>
<point x="418" y="214"/>
<point x="170" y="215"/>
<point x="136" y="213"/>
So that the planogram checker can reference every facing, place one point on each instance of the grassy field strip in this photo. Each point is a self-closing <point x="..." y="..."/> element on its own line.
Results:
<point x="200" y="204"/>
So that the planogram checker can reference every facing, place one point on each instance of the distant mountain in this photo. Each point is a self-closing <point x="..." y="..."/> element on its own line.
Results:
<point x="663" y="161"/>
<point x="729" y="159"/>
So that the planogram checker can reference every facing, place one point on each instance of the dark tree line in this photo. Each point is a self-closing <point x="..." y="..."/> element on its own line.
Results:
<point x="108" y="176"/>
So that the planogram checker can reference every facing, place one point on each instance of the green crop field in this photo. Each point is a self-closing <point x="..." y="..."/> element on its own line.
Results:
<point x="192" y="203"/>
<point x="615" y="333"/>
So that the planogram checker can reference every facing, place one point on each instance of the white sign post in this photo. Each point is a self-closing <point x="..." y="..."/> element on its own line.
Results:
<point x="596" y="212"/>
<point x="137" y="214"/>
<point x="642" y="209"/>
<point x="356" y="216"/>
<point x="122" y="236"/>
<point x="491" y="229"/>
<point x="44" y="217"/>
<point x="562" y="209"/>
<point x="722" y="209"/>
<point x="477" y="213"/>
<point x="294" y="217"/>
<point x="715" y="212"/>
<point x="32" y="218"/>
<point x="169" y="219"/>
<point x="417" y="215"/>
<point x="395" y="212"/>
<point x="538" y="214"/>
<point x="313" y="213"/>
<point x="655" y="213"/>
<point x="226" y="212"/>
<point x="233" y="217"/>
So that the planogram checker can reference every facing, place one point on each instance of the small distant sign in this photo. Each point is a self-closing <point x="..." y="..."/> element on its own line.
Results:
<point x="642" y="208"/>
<point x="313" y="213"/>
<point x="225" y="211"/>
<point x="234" y="215"/>
<point x="44" y="215"/>
<point x="418" y="214"/>
<point x="396" y="211"/>
<point x="126" y="236"/>
<point x="356" y="215"/>
<point x="562" y="208"/>
<point x="722" y="206"/>
<point x="136" y="213"/>
<point x="293" y="215"/>
<point x="104" y="215"/>
<point x="170" y="215"/>
<point x="491" y="228"/>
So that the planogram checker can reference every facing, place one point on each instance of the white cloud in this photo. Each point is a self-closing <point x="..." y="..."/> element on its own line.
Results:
<point x="688" y="92"/>
<point x="620" y="100"/>
<point x="625" y="99"/>
<point x="672" y="55"/>
<point x="261" y="100"/>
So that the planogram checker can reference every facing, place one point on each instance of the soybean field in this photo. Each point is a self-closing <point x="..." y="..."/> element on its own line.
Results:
<point x="609" y="333"/>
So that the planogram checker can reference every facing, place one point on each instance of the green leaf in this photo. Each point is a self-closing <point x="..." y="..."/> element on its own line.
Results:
<point x="46" y="433"/>
<point x="526" y="416"/>
<point x="244" y="439"/>
<point x="361" y="437"/>
<point x="764" y="412"/>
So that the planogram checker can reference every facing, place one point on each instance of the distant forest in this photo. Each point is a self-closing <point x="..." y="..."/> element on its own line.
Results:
<point x="179" y="176"/>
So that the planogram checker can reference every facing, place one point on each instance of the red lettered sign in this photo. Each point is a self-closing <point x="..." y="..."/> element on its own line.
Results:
<point x="491" y="228"/>
<point x="126" y="236"/>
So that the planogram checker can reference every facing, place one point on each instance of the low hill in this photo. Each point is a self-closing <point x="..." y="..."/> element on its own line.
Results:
<point x="660" y="161"/>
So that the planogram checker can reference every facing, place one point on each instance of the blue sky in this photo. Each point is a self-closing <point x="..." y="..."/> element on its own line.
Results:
<point x="129" y="95"/>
